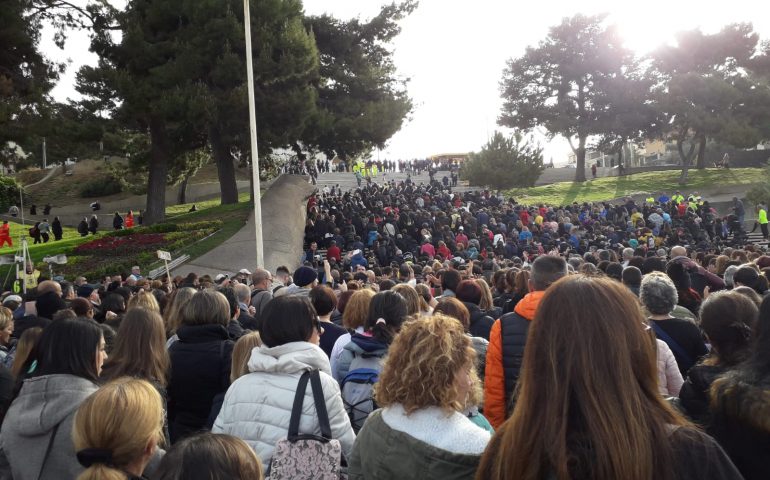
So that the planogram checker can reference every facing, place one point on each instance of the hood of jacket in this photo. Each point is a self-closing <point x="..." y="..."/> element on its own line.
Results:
<point x="290" y="357"/>
<point x="202" y="333"/>
<point x="527" y="306"/>
<point x="360" y="343"/>
<point x="746" y="402"/>
<point x="46" y="401"/>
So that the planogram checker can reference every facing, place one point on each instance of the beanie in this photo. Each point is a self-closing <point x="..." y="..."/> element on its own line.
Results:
<point x="304" y="276"/>
<point x="85" y="291"/>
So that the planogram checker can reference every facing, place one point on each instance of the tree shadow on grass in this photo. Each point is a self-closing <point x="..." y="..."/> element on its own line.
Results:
<point x="622" y="185"/>
<point x="575" y="189"/>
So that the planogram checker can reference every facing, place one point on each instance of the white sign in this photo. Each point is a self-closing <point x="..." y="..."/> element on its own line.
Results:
<point x="164" y="255"/>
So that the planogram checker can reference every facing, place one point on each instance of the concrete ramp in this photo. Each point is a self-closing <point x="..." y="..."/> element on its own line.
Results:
<point x="283" y="227"/>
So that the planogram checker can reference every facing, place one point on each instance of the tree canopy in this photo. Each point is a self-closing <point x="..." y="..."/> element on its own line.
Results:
<point x="505" y="162"/>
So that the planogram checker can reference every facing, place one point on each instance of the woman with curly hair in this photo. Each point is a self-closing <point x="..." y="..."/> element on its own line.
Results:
<point x="425" y="383"/>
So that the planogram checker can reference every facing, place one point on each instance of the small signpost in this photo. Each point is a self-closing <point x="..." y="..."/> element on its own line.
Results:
<point x="165" y="256"/>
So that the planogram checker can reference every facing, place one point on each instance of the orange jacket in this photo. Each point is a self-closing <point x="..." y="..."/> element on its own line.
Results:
<point x="495" y="408"/>
<point x="5" y="230"/>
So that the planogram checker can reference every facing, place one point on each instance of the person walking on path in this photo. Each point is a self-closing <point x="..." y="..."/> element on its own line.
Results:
<point x="33" y="209"/>
<point x="47" y="209"/>
<point x="34" y="232"/>
<point x="82" y="227"/>
<point x="117" y="222"/>
<point x="93" y="224"/>
<point x="761" y="220"/>
<point x="44" y="227"/>
<point x="5" y="234"/>
<point x="14" y="211"/>
<point x="57" y="229"/>
<point x="130" y="219"/>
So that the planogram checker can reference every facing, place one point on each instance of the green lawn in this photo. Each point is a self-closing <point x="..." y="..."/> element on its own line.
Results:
<point x="232" y="216"/>
<point x="649" y="182"/>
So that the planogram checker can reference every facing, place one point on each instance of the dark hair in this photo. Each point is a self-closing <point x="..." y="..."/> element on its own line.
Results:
<point x="653" y="264"/>
<point x="232" y="299"/>
<point x="614" y="270"/>
<point x="469" y="291"/>
<point x="386" y="284"/>
<point x="728" y="319"/>
<point x="209" y="456"/>
<point x="746" y="275"/>
<point x="632" y="276"/>
<point x="323" y="299"/>
<point x="342" y="302"/>
<point x="287" y="319"/>
<point x="546" y="269"/>
<point x="114" y="303"/>
<point x="81" y="306"/>
<point x="391" y="307"/>
<point x="450" y="279"/>
<point x="68" y="346"/>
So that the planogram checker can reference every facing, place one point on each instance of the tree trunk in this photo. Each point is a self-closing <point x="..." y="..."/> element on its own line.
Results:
<point x="686" y="158"/>
<point x="701" y="152"/>
<point x="158" y="168"/>
<point x="580" y="166"/>
<point x="181" y="197"/>
<point x="225" y="167"/>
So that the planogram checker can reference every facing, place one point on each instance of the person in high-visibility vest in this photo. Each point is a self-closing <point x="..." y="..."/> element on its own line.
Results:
<point x="650" y="200"/>
<point x="761" y="220"/>
<point x="5" y="234"/>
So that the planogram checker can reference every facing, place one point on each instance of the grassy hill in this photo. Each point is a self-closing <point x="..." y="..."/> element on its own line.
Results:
<point x="706" y="182"/>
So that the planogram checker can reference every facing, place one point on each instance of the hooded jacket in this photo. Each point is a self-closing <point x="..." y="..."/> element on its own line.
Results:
<point x="426" y="445"/>
<point x="741" y="423"/>
<point x="360" y="344"/>
<point x="504" y="356"/>
<point x="257" y="406"/>
<point x="45" y="406"/>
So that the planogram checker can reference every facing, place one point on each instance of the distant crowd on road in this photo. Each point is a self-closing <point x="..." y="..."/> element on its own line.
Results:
<point x="426" y="334"/>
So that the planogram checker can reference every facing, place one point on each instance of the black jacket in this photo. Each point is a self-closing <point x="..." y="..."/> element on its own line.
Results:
<point x="200" y="369"/>
<point x="695" y="396"/>
<point x="514" y="330"/>
<point x="480" y="322"/>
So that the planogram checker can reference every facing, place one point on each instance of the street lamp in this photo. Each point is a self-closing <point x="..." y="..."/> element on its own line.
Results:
<point x="253" y="135"/>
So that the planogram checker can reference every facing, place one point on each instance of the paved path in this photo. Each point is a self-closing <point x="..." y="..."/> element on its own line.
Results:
<point x="283" y="223"/>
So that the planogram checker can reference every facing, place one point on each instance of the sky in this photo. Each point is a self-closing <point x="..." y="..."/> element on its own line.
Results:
<point x="454" y="51"/>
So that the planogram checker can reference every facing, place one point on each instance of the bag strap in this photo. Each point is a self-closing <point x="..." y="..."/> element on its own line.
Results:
<point x="660" y="333"/>
<point x="47" y="451"/>
<point x="296" y="410"/>
<point x="320" y="404"/>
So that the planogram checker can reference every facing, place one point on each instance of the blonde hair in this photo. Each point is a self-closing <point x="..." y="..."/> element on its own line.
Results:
<point x="124" y="436"/>
<point x="173" y="315"/>
<point x="413" y="307"/>
<point x="421" y="364"/>
<point x="357" y="309"/>
<point x="144" y="299"/>
<point x="487" y="302"/>
<point x="241" y="354"/>
<point x="6" y="317"/>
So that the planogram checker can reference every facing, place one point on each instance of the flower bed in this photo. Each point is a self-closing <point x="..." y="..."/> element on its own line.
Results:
<point x="121" y="246"/>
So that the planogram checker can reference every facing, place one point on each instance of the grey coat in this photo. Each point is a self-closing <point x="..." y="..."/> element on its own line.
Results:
<point x="44" y="404"/>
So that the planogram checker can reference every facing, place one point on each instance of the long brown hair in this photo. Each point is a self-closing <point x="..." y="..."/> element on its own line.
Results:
<point x="140" y="348"/>
<point x="587" y="402"/>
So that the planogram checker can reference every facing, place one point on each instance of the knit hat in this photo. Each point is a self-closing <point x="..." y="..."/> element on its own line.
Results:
<point x="304" y="276"/>
<point x="85" y="291"/>
<point x="49" y="303"/>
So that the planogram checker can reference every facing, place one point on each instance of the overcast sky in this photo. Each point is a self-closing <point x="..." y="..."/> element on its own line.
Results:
<point x="454" y="51"/>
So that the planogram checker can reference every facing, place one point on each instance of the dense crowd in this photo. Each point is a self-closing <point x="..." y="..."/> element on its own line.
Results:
<point x="425" y="335"/>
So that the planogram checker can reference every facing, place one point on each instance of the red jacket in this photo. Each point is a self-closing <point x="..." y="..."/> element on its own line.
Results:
<point x="334" y="252"/>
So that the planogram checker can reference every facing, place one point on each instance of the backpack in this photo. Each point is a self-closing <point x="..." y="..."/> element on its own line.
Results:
<point x="307" y="456"/>
<point x="33" y="232"/>
<point x="358" y="385"/>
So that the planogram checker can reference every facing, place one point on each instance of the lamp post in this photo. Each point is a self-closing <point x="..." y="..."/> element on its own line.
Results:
<point x="253" y="135"/>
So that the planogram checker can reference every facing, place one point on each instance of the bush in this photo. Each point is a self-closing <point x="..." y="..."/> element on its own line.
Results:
<point x="101" y="188"/>
<point x="505" y="162"/>
<point x="9" y="193"/>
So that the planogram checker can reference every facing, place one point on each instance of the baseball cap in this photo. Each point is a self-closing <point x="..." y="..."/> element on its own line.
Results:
<point x="219" y="278"/>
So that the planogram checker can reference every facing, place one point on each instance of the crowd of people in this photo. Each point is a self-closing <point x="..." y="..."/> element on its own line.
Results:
<point x="425" y="335"/>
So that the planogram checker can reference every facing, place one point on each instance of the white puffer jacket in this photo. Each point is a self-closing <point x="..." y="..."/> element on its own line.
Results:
<point x="257" y="406"/>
